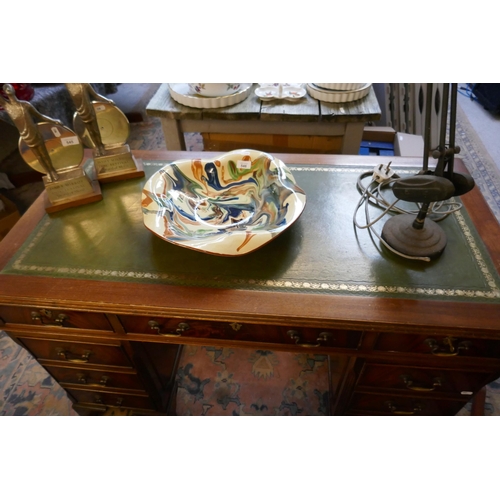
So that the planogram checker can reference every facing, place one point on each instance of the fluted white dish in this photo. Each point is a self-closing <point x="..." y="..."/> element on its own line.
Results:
<point x="215" y="89"/>
<point x="340" y="86"/>
<point x="337" y="96"/>
<point x="182" y="93"/>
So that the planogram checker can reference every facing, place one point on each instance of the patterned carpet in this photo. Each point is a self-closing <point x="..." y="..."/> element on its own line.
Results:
<point x="238" y="382"/>
<point x="25" y="387"/>
<point x="229" y="381"/>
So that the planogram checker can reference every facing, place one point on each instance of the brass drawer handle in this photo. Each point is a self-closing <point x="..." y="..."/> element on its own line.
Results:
<point x="74" y="358"/>
<point x="322" y="337"/>
<point x="449" y="347"/>
<point x="411" y="385"/>
<point x="102" y="383"/>
<point x="98" y="400"/>
<point x="394" y="409"/>
<point x="61" y="318"/>
<point x="45" y="314"/>
<point x="181" y="328"/>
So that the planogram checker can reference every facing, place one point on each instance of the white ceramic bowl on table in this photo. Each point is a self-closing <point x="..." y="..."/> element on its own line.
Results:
<point x="214" y="89"/>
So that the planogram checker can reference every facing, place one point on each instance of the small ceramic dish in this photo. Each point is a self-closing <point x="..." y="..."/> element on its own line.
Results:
<point x="214" y="89"/>
<point x="230" y="205"/>
<point x="286" y="92"/>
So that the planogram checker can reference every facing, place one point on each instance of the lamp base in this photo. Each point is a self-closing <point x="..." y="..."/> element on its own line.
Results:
<point x="399" y="233"/>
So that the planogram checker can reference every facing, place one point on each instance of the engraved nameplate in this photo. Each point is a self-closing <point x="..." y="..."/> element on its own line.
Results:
<point x="69" y="186"/>
<point x="112" y="164"/>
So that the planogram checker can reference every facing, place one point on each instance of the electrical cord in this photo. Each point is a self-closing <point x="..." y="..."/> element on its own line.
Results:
<point x="372" y="194"/>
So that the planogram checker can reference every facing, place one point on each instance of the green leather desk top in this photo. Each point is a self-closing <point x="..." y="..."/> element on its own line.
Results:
<point x="321" y="253"/>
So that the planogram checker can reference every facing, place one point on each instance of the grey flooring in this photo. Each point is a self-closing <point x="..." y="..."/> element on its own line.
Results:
<point x="485" y="123"/>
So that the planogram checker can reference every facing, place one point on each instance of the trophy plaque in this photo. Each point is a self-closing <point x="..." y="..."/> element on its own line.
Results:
<point x="52" y="149"/>
<point x="103" y="127"/>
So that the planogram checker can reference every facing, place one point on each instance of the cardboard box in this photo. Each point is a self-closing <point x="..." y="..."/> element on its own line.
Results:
<point x="382" y="134"/>
<point x="385" y="141"/>
<point x="8" y="217"/>
<point x="273" y="143"/>
<point x="408" y="145"/>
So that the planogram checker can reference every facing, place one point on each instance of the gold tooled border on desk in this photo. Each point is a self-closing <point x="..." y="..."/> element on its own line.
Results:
<point x="325" y="287"/>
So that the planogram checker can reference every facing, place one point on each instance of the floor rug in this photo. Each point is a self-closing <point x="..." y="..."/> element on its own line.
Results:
<point x="26" y="388"/>
<point x="478" y="161"/>
<point x="239" y="382"/>
<point x="230" y="381"/>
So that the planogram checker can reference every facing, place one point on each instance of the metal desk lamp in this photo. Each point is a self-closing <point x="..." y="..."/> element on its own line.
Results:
<point x="420" y="236"/>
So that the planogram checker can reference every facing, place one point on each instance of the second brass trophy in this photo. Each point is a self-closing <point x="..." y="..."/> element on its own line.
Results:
<point x="104" y="128"/>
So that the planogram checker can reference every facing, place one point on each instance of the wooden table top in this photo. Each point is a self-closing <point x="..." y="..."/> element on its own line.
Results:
<point x="307" y="109"/>
<point x="257" y="306"/>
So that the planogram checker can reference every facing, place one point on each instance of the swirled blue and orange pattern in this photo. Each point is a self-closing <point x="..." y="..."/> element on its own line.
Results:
<point x="230" y="205"/>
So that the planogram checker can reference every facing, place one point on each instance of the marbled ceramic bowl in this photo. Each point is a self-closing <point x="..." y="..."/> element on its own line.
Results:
<point x="229" y="205"/>
<point x="214" y="89"/>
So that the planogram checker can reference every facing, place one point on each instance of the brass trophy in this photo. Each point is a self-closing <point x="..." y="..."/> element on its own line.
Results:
<point x="50" y="148"/>
<point x="104" y="128"/>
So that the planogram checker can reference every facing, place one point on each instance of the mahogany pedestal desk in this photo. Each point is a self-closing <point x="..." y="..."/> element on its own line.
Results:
<point x="105" y="305"/>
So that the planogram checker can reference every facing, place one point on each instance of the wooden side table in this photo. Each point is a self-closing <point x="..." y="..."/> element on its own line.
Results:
<point x="270" y="126"/>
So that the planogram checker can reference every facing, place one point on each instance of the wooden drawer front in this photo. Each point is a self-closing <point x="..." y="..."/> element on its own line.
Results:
<point x="433" y="345"/>
<point x="95" y="378"/>
<point x="304" y="337"/>
<point x="54" y="317"/>
<point x="422" y="380"/>
<point x="174" y="327"/>
<point x="182" y="328"/>
<point x="315" y="337"/>
<point x="76" y="353"/>
<point x="112" y="399"/>
<point x="395" y="405"/>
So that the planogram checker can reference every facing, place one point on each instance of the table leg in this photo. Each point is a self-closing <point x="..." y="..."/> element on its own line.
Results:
<point x="174" y="137"/>
<point x="478" y="402"/>
<point x="352" y="138"/>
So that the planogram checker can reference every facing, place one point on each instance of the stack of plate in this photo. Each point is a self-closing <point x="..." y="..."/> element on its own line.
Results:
<point x="338" y="92"/>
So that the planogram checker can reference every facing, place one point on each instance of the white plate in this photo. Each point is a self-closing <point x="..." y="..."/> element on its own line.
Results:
<point x="288" y="92"/>
<point x="337" y="96"/>
<point x="181" y="93"/>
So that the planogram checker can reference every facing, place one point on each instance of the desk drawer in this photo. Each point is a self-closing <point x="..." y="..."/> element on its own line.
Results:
<point x="444" y="347"/>
<point x="375" y="404"/>
<point x="76" y="353"/>
<point x="112" y="399"/>
<point x="185" y="328"/>
<point x="95" y="378"/>
<point x="420" y="381"/>
<point x="54" y="317"/>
